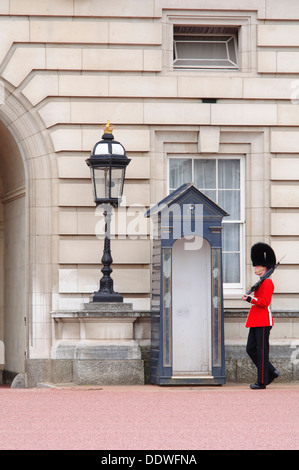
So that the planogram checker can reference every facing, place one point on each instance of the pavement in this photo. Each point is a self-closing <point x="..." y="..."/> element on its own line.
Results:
<point x="150" y="418"/>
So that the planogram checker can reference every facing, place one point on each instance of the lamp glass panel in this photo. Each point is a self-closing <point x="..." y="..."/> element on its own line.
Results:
<point x="100" y="177"/>
<point x="117" y="149"/>
<point x="101" y="149"/>
<point x="117" y="179"/>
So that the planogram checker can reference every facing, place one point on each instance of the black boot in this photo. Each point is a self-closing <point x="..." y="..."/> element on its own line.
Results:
<point x="257" y="386"/>
<point x="273" y="376"/>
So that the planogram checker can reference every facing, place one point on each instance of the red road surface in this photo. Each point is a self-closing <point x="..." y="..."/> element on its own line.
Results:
<point x="230" y="417"/>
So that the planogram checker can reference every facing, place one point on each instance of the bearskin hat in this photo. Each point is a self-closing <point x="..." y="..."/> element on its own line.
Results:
<point x="263" y="255"/>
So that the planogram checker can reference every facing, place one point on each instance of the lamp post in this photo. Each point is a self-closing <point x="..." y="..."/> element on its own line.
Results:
<point x="107" y="162"/>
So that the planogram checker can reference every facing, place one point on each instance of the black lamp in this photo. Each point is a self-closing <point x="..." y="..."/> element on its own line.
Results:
<point x="108" y="162"/>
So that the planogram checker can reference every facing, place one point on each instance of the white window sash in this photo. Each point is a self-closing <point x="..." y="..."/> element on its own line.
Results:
<point x="229" y="287"/>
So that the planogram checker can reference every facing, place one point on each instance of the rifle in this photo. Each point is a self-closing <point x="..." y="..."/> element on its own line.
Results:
<point x="263" y="277"/>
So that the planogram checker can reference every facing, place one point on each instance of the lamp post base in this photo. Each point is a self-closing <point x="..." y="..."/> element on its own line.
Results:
<point x="107" y="297"/>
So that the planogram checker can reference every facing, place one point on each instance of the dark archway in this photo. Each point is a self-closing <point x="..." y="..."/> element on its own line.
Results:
<point x="12" y="256"/>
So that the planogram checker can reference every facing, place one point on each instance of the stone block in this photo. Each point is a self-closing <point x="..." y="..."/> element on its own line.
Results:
<point x="243" y="114"/>
<point x="284" y="142"/>
<point x="278" y="35"/>
<point x="67" y="139"/>
<point x="210" y="87"/>
<point x="112" y="59"/>
<point x="115" y="329"/>
<point x="38" y="370"/>
<point x="286" y="280"/>
<point x="143" y="86"/>
<point x="80" y="30"/>
<point x="139" y="167"/>
<point x="287" y="62"/>
<point x="135" y="33"/>
<point x="267" y="88"/>
<point x="285" y="195"/>
<point x="118" y="112"/>
<point x="288" y="114"/>
<point x="285" y="169"/>
<point x="74" y="251"/>
<point x="73" y="167"/>
<point x="266" y="61"/>
<point x="22" y="62"/>
<point x="55" y="111"/>
<point x="109" y="372"/>
<point x="41" y="7"/>
<point x="117" y="350"/>
<point x="41" y="86"/>
<point x="176" y="113"/>
<point x="287" y="248"/>
<point x="231" y="370"/>
<point x="63" y="58"/>
<point x="83" y="85"/>
<point x="118" y="8"/>
<point x="68" y="221"/>
<point x="64" y="350"/>
<point x="12" y="32"/>
<point x="209" y="137"/>
<point x="152" y="60"/>
<point x="5" y="7"/>
<point x="277" y="10"/>
<point x="61" y="371"/>
<point x="285" y="223"/>
<point x="87" y="221"/>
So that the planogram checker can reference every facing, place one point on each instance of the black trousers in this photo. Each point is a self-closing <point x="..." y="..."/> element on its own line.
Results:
<point x="258" y="350"/>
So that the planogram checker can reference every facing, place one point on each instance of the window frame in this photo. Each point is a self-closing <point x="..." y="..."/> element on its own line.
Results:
<point x="198" y="38"/>
<point x="241" y="20"/>
<point x="229" y="288"/>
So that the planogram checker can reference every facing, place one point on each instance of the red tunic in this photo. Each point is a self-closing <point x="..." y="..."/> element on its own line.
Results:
<point x="260" y="313"/>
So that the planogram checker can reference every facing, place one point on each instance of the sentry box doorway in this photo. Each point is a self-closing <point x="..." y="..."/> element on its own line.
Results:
<point x="187" y="323"/>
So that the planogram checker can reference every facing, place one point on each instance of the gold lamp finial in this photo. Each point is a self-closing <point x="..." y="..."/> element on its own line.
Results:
<point x="108" y="129"/>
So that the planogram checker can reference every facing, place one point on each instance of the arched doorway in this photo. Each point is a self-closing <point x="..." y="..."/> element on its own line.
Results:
<point x="12" y="255"/>
<point x="191" y="310"/>
<point x="27" y="172"/>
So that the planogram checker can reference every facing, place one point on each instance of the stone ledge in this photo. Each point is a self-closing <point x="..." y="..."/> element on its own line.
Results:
<point x="102" y="310"/>
<point x="96" y="350"/>
<point x="231" y="313"/>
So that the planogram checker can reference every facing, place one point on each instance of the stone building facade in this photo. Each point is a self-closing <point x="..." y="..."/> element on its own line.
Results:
<point x="190" y="86"/>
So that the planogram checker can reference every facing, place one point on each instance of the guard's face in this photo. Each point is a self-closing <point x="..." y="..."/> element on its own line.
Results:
<point x="259" y="270"/>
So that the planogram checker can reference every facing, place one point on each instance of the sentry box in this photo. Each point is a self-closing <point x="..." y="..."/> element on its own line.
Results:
<point x="187" y="324"/>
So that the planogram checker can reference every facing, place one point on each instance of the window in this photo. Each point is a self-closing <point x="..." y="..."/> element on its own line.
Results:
<point x="221" y="180"/>
<point x="207" y="47"/>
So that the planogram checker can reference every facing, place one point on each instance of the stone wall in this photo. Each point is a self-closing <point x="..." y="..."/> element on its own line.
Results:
<point x="67" y="66"/>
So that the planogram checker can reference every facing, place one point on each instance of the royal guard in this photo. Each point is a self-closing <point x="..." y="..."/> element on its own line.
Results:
<point x="260" y="320"/>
